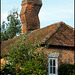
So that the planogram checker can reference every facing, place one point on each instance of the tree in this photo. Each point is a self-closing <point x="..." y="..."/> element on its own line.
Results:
<point x="4" y="36"/>
<point x="12" y="27"/>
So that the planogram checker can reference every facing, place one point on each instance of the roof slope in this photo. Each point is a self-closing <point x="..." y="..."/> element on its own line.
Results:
<point x="55" y="34"/>
<point x="6" y="45"/>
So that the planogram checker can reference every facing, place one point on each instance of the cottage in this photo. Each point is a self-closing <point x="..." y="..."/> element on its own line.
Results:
<point x="59" y="36"/>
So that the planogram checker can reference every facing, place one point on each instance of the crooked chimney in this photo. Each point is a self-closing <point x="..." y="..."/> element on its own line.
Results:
<point x="29" y="15"/>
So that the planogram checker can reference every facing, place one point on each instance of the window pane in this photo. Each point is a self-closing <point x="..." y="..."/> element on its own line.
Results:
<point x="53" y="70"/>
<point x="53" y="62"/>
<point x="50" y="69"/>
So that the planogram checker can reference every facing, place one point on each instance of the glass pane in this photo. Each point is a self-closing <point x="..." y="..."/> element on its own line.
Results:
<point x="53" y="62"/>
<point x="50" y="69"/>
<point x="53" y="70"/>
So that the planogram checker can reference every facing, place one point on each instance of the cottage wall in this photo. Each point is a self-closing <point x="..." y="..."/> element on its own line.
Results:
<point x="63" y="55"/>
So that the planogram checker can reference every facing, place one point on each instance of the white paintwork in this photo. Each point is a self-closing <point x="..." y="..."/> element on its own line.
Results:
<point x="53" y="55"/>
<point x="56" y="69"/>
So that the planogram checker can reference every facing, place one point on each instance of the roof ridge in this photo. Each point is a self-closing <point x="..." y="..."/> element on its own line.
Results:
<point x="47" y="26"/>
<point x="53" y="32"/>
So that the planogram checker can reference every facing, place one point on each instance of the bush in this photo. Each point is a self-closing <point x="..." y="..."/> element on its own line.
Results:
<point x="8" y="70"/>
<point x="27" y="59"/>
<point x="66" y="69"/>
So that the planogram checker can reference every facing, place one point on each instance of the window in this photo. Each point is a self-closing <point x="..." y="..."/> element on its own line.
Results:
<point x="52" y="66"/>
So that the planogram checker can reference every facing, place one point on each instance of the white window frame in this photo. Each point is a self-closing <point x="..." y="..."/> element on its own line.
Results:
<point x="56" y="64"/>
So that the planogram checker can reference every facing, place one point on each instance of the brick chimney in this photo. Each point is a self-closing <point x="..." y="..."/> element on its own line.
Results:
<point x="29" y="15"/>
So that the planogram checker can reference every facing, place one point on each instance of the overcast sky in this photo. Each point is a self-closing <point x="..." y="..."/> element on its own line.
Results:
<point x="52" y="11"/>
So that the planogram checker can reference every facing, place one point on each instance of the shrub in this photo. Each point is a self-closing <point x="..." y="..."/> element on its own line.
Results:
<point x="27" y="59"/>
<point x="66" y="69"/>
<point x="8" y="70"/>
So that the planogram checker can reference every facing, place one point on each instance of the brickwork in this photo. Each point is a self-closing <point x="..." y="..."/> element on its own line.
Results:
<point x="29" y="15"/>
<point x="65" y="55"/>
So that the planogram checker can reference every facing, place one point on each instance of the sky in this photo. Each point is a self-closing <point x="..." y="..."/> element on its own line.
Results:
<point x="52" y="11"/>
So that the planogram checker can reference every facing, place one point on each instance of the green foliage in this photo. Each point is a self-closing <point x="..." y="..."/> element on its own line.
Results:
<point x="66" y="69"/>
<point x="28" y="58"/>
<point x="8" y="70"/>
<point x="12" y="27"/>
<point x="4" y="36"/>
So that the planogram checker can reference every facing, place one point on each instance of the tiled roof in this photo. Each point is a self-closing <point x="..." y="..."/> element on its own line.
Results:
<point x="55" y="34"/>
